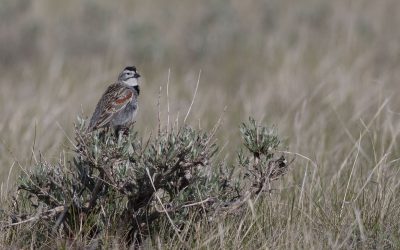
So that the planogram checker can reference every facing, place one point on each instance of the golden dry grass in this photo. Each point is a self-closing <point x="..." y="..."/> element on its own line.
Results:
<point x="326" y="73"/>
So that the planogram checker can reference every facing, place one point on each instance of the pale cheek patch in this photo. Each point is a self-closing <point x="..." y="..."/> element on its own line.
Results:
<point x="132" y="82"/>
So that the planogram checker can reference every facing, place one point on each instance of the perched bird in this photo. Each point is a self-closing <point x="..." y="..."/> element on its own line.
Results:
<point x="118" y="106"/>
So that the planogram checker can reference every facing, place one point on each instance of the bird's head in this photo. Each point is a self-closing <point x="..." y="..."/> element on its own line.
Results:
<point x="129" y="76"/>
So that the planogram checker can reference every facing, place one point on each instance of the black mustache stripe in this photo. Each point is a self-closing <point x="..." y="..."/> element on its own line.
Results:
<point x="137" y="88"/>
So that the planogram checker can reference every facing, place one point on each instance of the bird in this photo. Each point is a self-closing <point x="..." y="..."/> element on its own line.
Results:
<point x="118" y="106"/>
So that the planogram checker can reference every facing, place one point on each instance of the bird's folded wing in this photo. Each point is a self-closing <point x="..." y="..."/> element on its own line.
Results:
<point x="115" y="99"/>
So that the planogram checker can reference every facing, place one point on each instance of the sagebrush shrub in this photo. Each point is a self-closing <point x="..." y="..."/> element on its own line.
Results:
<point x="125" y="186"/>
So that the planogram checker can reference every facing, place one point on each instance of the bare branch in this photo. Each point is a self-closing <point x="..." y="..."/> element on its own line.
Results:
<point x="194" y="97"/>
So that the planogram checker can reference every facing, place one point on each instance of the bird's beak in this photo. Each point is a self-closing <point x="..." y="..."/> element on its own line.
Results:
<point x="136" y="75"/>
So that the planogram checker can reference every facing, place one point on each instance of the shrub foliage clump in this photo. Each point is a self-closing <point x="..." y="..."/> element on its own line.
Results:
<point x="126" y="186"/>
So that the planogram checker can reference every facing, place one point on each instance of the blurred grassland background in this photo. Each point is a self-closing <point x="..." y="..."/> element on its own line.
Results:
<point x="318" y="70"/>
<point x="326" y="73"/>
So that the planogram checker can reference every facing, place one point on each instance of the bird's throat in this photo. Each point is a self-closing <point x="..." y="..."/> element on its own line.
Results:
<point x="131" y="82"/>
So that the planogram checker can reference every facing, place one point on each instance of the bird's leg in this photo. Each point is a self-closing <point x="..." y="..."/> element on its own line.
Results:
<point x="102" y="134"/>
<point x="124" y="129"/>
<point x="117" y="129"/>
<point x="121" y="129"/>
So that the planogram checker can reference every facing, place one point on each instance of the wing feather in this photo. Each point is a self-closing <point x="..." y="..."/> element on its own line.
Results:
<point x="113" y="100"/>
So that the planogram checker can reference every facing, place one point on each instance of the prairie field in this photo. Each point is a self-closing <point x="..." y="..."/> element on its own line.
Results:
<point x="325" y="73"/>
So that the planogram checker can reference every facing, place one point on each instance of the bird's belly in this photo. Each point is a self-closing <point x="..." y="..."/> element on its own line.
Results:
<point x="126" y="116"/>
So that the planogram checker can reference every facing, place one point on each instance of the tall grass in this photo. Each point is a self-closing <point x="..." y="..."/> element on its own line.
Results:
<point x="325" y="73"/>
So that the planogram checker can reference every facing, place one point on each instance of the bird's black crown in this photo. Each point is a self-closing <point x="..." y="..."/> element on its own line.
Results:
<point x="131" y="68"/>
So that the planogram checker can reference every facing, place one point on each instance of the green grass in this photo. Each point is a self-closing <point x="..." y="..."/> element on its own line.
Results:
<point x="325" y="73"/>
